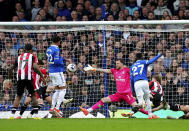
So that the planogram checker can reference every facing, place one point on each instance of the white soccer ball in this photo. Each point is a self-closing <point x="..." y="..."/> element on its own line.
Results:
<point x="71" y="67"/>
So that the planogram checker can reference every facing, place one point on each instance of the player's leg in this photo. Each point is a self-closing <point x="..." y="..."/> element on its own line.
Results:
<point x="56" y="92"/>
<point x="139" y="93"/>
<point x="20" y="91"/>
<point x="111" y="98"/>
<point x="33" y="95"/>
<point x="24" y="107"/>
<point x="62" y="86"/>
<point x="147" y="98"/>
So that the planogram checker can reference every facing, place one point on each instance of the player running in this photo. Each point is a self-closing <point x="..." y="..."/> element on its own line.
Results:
<point x="56" y="66"/>
<point x="122" y="78"/>
<point x="139" y="81"/>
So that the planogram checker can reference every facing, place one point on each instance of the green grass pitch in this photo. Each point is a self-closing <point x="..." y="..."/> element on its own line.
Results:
<point x="94" y="125"/>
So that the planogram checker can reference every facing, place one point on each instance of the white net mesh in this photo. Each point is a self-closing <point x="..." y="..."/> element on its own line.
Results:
<point x="85" y="45"/>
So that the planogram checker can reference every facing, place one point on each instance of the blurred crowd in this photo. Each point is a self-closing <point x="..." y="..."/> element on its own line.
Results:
<point x="86" y="47"/>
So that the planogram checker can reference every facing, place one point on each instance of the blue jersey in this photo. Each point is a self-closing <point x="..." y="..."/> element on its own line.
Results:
<point x="55" y="59"/>
<point x="138" y="70"/>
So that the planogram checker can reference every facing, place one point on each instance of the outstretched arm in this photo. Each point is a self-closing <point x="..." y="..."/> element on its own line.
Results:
<point x="153" y="59"/>
<point x="90" y="68"/>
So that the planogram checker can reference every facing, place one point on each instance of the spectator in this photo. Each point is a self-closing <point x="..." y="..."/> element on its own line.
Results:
<point x="121" y="4"/>
<point x="181" y="96"/>
<point x="167" y="59"/>
<point x="98" y="14"/>
<point x="186" y="45"/>
<point x="35" y="9"/>
<point x="114" y="10"/>
<point x="132" y="7"/>
<point x="185" y="63"/>
<point x="74" y="16"/>
<point x="151" y="16"/>
<point x="62" y="10"/>
<point x="80" y="11"/>
<point x="174" y="66"/>
<point x="144" y="14"/>
<point x="161" y="7"/>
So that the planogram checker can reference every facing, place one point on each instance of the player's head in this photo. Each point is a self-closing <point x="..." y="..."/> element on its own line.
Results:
<point x="139" y="56"/>
<point x="157" y="77"/>
<point x="40" y="62"/>
<point x="28" y="48"/>
<point x="119" y="63"/>
<point x="56" y="39"/>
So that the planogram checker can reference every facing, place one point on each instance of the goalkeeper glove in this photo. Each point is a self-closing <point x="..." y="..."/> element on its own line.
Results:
<point x="89" y="68"/>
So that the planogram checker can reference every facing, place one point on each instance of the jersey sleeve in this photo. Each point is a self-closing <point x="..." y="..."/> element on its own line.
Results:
<point x="153" y="59"/>
<point x="112" y="70"/>
<point x="151" y="84"/>
<point x="132" y="81"/>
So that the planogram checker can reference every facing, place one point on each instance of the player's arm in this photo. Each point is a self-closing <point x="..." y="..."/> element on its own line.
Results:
<point x="37" y="69"/>
<point x="132" y="82"/>
<point x="153" y="59"/>
<point x="90" y="68"/>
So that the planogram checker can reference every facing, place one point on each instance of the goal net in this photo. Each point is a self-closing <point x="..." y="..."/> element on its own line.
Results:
<point x="100" y="44"/>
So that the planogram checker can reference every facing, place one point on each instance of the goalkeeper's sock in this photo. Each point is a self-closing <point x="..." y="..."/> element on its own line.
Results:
<point x="54" y="99"/>
<point x="23" y="108"/>
<point x="97" y="105"/>
<point x="143" y="111"/>
<point x="61" y="98"/>
<point x="13" y="111"/>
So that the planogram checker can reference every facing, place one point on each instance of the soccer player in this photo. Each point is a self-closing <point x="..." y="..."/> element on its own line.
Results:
<point x="41" y="91"/>
<point x="178" y="107"/>
<point x="26" y="64"/>
<point x="139" y="81"/>
<point x="156" y="94"/>
<point x="122" y="78"/>
<point x="56" y="75"/>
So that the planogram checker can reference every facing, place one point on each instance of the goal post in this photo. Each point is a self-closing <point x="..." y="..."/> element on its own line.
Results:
<point x="100" y="43"/>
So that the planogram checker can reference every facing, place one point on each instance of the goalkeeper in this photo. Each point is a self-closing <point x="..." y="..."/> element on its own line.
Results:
<point x="122" y="78"/>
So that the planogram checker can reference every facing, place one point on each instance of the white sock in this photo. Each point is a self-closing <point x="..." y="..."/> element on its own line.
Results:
<point x="149" y="108"/>
<point x="61" y="98"/>
<point x="90" y="110"/>
<point x="54" y="98"/>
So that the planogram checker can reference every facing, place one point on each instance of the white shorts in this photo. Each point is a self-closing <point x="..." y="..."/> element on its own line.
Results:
<point x="142" y="88"/>
<point x="57" y="79"/>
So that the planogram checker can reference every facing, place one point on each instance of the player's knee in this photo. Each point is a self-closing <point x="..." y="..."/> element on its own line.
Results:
<point x="104" y="100"/>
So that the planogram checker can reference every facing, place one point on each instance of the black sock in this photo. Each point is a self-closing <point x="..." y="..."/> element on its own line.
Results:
<point x="35" y="110"/>
<point x="23" y="108"/>
<point x="13" y="111"/>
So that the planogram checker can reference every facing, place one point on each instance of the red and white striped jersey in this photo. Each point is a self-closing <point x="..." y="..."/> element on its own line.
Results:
<point x="155" y="87"/>
<point x="25" y="66"/>
<point x="37" y="78"/>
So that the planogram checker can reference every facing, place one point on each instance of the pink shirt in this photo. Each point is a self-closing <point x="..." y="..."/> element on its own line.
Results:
<point x="122" y="78"/>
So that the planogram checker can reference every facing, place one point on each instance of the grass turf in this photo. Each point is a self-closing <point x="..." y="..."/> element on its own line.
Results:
<point x="94" y="125"/>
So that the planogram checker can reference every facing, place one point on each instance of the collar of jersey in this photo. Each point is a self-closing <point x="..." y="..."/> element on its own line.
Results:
<point x="54" y="45"/>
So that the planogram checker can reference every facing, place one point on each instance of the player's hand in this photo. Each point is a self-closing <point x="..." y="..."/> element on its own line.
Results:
<point x="7" y="84"/>
<point x="44" y="81"/>
<point x="89" y="68"/>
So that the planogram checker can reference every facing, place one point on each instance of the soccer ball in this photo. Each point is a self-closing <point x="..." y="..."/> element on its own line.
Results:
<point x="72" y="67"/>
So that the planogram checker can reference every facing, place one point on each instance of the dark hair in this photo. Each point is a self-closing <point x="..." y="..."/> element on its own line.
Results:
<point x="40" y="62"/>
<point x="121" y="60"/>
<point x="56" y="39"/>
<point x="138" y="56"/>
<point x="28" y="47"/>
